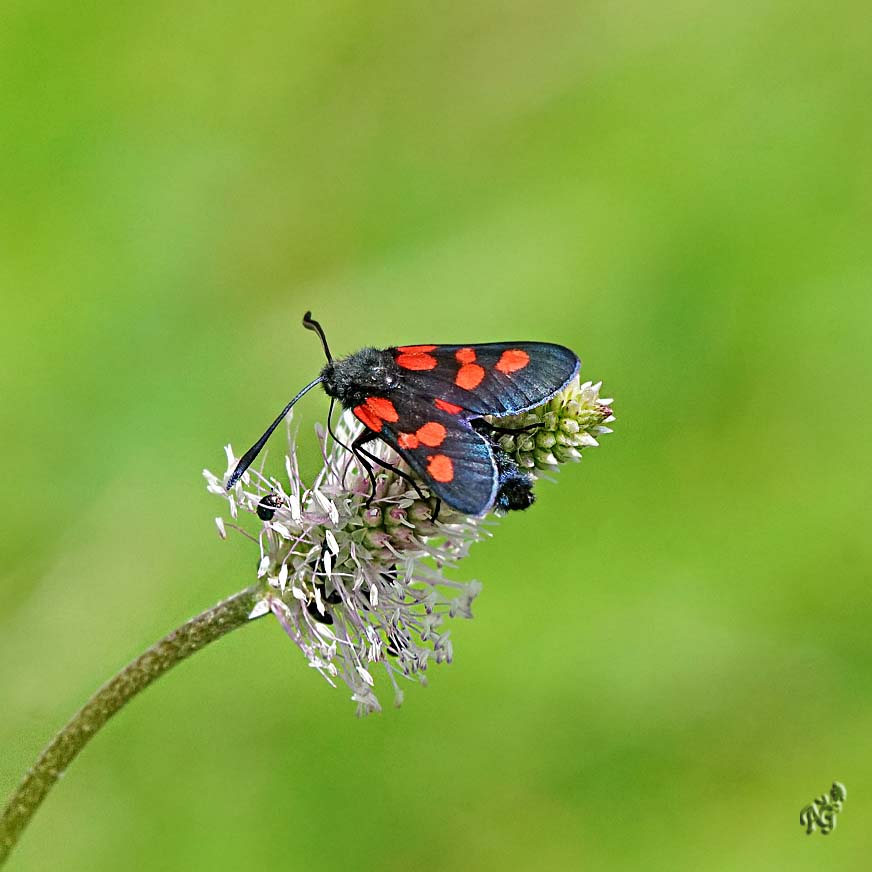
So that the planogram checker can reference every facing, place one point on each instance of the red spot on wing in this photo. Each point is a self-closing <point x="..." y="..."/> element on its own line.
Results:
<point x="415" y="349"/>
<point x="383" y="408"/>
<point x="407" y="440"/>
<point x="465" y="355"/>
<point x="511" y="360"/>
<point x="445" y="406"/>
<point x="440" y="467"/>
<point x="369" y="419"/>
<point x="469" y="376"/>
<point x="432" y="433"/>
<point x="416" y="360"/>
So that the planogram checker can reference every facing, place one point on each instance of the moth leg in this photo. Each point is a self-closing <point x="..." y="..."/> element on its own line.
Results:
<point x="358" y="452"/>
<point x="333" y="436"/>
<point x="385" y="465"/>
<point x="486" y="427"/>
<point x="406" y="477"/>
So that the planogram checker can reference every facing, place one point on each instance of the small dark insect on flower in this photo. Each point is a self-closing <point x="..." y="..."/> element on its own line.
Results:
<point x="266" y="508"/>
<point x="325" y="618"/>
<point x="431" y="404"/>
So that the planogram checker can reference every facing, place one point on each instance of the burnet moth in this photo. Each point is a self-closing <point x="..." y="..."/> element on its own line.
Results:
<point x="429" y="402"/>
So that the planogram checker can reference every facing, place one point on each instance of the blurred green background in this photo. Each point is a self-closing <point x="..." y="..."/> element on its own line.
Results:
<point x="672" y="652"/>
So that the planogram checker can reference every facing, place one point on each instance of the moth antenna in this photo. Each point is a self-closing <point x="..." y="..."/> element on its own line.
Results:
<point x="248" y="458"/>
<point x="311" y="324"/>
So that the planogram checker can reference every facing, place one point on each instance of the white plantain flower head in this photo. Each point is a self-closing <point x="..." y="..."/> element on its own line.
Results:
<point x="358" y="588"/>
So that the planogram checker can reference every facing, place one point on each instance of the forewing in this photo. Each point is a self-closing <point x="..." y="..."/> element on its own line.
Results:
<point x="454" y="460"/>
<point x="499" y="378"/>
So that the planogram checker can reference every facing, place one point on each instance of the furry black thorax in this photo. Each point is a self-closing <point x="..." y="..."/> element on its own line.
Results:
<point x="368" y="372"/>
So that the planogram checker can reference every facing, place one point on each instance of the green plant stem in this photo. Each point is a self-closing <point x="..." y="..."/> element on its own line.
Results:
<point x="133" y="678"/>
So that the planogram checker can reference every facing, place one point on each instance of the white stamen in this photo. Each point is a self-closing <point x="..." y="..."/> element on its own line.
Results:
<point x="324" y="630"/>
<point x="261" y="607"/>
<point x="328" y="506"/>
<point x="331" y="542"/>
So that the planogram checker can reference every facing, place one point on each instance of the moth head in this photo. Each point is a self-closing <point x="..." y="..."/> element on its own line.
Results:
<point x="365" y="373"/>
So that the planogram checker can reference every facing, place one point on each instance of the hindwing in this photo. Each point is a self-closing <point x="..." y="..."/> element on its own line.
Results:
<point x="455" y="461"/>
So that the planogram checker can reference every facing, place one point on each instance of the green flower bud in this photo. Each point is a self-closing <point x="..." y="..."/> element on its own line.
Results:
<point x="558" y="431"/>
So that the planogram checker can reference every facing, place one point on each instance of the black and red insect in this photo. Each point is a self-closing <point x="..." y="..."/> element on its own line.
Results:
<point x="429" y="403"/>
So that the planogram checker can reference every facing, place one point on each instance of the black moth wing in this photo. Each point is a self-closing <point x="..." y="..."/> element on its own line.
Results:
<point x="501" y="390"/>
<point x="437" y="444"/>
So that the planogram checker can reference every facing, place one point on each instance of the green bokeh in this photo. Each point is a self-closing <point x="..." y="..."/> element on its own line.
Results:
<point x="672" y="652"/>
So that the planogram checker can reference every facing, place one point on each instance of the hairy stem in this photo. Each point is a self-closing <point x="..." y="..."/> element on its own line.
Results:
<point x="133" y="678"/>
